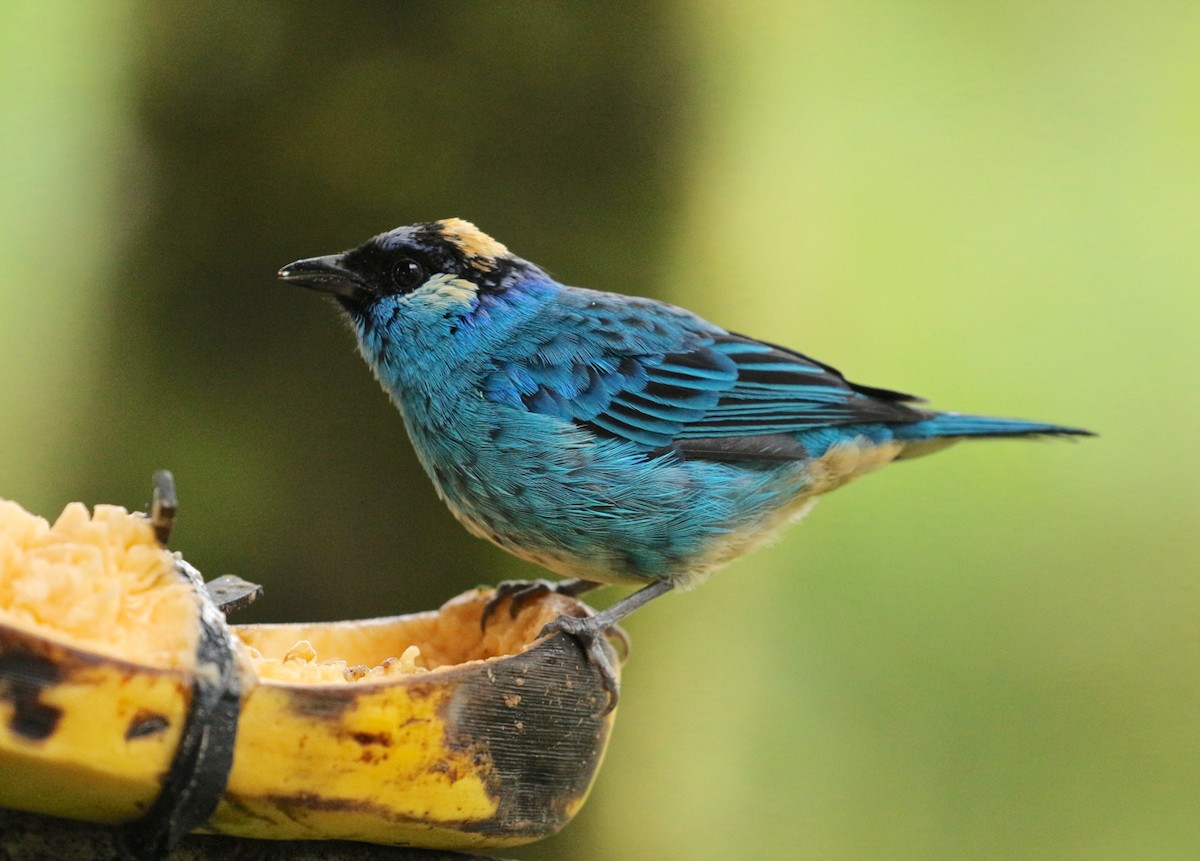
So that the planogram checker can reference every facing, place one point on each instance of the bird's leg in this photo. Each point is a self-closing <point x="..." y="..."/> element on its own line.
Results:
<point x="590" y="633"/>
<point x="520" y="591"/>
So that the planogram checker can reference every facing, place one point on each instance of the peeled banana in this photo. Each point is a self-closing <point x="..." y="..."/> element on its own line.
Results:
<point x="126" y="699"/>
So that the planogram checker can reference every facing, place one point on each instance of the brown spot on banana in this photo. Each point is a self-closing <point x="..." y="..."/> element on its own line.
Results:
<point x="24" y="676"/>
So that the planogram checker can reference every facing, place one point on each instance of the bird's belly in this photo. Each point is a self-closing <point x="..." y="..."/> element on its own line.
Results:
<point x="605" y="512"/>
<point x="628" y="544"/>
<point x="725" y="548"/>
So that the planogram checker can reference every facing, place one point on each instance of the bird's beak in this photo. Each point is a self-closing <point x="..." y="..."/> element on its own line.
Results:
<point x="327" y="274"/>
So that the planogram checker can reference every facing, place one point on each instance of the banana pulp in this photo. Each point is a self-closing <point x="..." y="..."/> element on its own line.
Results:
<point x="422" y="730"/>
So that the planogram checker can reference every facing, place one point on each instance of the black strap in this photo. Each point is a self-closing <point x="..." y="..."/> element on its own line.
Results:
<point x="195" y="783"/>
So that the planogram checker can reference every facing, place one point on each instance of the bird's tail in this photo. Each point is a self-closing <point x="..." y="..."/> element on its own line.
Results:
<point x="942" y="429"/>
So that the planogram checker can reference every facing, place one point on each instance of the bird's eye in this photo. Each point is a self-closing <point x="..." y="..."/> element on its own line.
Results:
<point x="407" y="274"/>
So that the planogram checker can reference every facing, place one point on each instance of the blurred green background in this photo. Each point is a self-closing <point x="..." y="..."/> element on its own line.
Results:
<point x="990" y="654"/>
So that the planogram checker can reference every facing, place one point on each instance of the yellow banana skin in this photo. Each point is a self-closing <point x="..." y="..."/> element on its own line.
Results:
<point x="84" y="736"/>
<point x="490" y="752"/>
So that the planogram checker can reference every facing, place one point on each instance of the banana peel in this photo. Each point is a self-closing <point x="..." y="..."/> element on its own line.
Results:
<point x="119" y="705"/>
<point x="483" y="751"/>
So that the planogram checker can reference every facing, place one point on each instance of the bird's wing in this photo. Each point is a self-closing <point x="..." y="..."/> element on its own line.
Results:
<point x="660" y="377"/>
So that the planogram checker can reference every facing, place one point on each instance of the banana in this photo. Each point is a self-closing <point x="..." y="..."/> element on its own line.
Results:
<point x="126" y="699"/>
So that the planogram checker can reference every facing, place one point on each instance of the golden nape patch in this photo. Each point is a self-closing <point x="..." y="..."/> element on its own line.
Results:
<point x="477" y="245"/>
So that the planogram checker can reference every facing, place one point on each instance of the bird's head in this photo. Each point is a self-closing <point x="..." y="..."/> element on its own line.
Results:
<point x="438" y="269"/>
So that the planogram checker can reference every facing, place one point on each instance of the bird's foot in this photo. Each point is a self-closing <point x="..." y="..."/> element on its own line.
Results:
<point x="590" y="632"/>
<point x="517" y="592"/>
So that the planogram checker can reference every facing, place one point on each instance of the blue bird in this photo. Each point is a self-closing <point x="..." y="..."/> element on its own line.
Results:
<point x="608" y="438"/>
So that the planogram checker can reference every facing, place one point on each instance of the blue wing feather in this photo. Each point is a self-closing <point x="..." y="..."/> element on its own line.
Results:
<point x="660" y="377"/>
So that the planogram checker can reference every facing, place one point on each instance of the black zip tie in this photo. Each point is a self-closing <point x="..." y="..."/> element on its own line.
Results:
<point x="194" y="784"/>
<point x="230" y="592"/>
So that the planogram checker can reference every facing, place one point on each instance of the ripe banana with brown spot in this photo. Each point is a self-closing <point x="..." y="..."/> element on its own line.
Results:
<point x="125" y="699"/>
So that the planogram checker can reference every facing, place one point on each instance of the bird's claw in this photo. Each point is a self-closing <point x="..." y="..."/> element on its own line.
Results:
<point x="619" y="639"/>
<point x="590" y="633"/>
<point x="517" y="592"/>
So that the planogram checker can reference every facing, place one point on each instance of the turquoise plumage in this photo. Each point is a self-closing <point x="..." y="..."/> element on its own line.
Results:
<point x="608" y="438"/>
